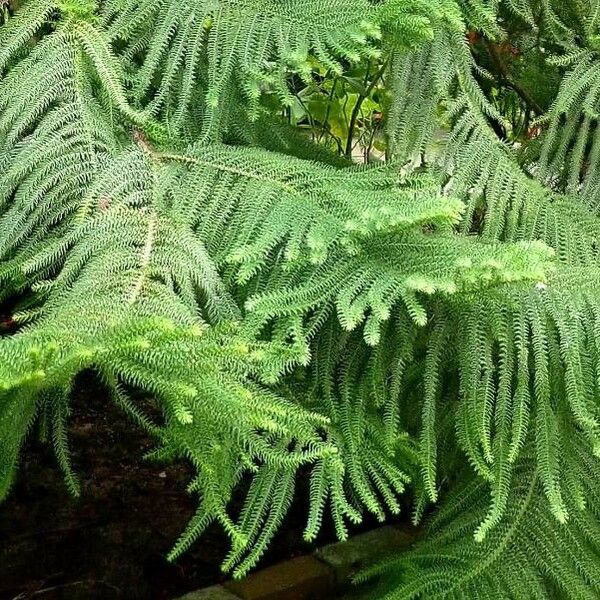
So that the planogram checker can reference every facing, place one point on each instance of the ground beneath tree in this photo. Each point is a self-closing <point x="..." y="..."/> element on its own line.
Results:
<point x="111" y="542"/>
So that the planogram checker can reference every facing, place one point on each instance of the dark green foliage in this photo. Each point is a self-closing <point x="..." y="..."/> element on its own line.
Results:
<point x="529" y="555"/>
<point x="427" y="322"/>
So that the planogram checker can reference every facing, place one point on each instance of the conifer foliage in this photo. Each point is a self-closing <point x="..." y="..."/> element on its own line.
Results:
<point x="426" y="325"/>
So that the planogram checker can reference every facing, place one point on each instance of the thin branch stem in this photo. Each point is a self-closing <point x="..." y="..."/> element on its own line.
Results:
<point x="356" y="110"/>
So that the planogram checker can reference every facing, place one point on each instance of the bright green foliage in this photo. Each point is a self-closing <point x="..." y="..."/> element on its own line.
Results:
<point x="527" y="378"/>
<point x="429" y="321"/>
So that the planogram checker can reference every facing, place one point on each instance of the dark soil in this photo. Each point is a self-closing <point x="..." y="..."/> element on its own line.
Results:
<point x="112" y="541"/>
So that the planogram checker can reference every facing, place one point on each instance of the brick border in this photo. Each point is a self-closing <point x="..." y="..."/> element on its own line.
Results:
<point x="320" y="576"/>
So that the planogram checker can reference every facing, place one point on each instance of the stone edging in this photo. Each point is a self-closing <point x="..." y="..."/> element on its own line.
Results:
<point x="323" y="575"/>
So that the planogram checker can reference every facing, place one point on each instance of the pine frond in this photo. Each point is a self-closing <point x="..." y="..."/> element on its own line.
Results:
<point x="361" y="239"/>
<point x="551" y="560"/>
<point x="199" y="53"/>
<point x="293" y="314"/>
<point x="533" y="366"/>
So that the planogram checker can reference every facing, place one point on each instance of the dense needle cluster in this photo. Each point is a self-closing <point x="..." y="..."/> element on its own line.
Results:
<point x="426" y="324"/>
